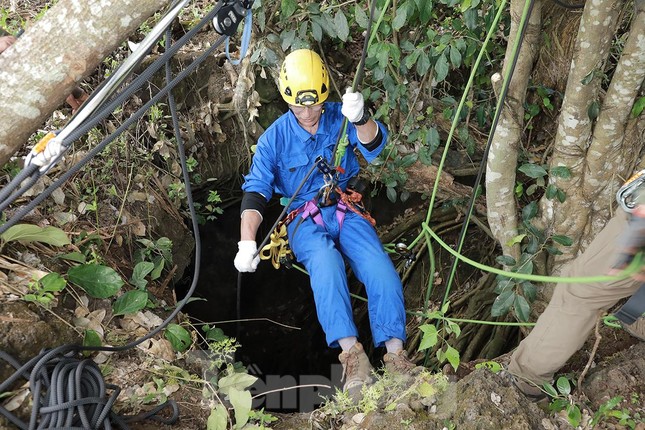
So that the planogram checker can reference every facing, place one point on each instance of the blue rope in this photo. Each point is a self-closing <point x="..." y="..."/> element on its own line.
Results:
<point x="246" y="39"/>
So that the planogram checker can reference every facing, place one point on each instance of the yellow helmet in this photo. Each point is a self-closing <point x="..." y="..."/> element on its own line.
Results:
<point x="304" y="80"/>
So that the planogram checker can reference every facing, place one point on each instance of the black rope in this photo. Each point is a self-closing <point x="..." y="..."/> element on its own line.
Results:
<point x="360" y="73"/>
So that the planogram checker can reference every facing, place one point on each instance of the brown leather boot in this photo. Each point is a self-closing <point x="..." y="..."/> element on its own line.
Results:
<point x="637" y="329"/>
<point x="399" y="363"/>
<point x="357" y="371"/>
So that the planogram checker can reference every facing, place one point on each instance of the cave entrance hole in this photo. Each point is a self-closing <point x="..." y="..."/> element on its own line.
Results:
<point x="282" y="343"/>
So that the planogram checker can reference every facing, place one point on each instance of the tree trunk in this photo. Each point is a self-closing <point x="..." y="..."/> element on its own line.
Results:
<point x="575" y="128"/>
<point x="609" y="150"/>
<point x="66" y="45"/>
<point x="502" y="158"/>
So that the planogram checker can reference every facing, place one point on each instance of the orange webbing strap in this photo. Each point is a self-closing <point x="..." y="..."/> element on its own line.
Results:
<point x="352" y="200"/>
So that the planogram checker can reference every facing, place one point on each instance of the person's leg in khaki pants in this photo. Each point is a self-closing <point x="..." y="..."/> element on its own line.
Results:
<point x="573" y="310"/>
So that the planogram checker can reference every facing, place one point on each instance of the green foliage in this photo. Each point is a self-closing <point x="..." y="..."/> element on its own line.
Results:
<point x="178" y="337"/>
<point x="130" y="302"/>
<point x="158" y="253"/>
<point x="408" y="63"/>
<point x="26" y="233"/>
<point x="97" y="281"/>
<point x="42" y="291"/>
<point x="438" y="337"/>
<point x="610" y="410"/>
<point x="639" y="106"/>
<point x="563" y="401"/>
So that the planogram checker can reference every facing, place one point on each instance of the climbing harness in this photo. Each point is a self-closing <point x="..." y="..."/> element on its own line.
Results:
<point x="67" y="391"/>
<point x="626" y="195"/>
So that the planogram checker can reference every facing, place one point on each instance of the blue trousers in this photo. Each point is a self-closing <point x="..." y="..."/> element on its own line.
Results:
<point x="322" y="251"/>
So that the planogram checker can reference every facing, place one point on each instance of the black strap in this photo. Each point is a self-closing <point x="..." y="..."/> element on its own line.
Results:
<point x="634" y="308"/>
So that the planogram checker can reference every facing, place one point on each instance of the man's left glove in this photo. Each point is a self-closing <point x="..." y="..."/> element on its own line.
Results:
<point x="354" y="107"/>
<point x="632" y="240"/>
<point x="244" y="261"/>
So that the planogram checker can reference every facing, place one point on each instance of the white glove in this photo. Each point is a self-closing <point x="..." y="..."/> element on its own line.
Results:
<point x="353" y="105"/>
<point x="244" y="261"/>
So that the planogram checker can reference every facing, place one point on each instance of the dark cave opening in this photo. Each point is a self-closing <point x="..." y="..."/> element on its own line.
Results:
<point x="282" y="343"/>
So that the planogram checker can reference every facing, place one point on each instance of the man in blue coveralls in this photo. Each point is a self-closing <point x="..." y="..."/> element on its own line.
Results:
<point x="325" y="235"/>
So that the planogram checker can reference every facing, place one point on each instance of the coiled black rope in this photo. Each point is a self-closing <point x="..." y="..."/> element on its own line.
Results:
<point x="69" y="393"/>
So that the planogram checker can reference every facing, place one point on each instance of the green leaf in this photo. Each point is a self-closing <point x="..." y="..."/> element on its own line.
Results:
<point x="241" y="401"/>
<point x="77" y="257"/>
<point x="505" y="260"/>
<point x="574" y="415"/>
<point x="140" y="272"/>
<point x="98" y="281"/>
<point x="423" y="64"/>
<point x="593" y="110"/>
<point x="218" y="419"/>
<point x="430" y="336"/>
<point x="639" y="106"/>
<point x="532" y="170"/>
<point x="455" y="57"/>
<point x="52" y="282"/>
<point x="550" y="389"/>
<point x="560" y="172"/>
<point x="503" y="303"/>
<point x="441" y="68"/>
<point x="32" y="233"/>
<point x="360" y="16"/>
<point x="522" y="308"/>
<point x="130" y="302"/>
<point x="400" y="19"/>
<point x="564" y="386"/>
<point x="178" y="337"/>
<point x="91" y="338"/>
<point x="341" y="25"/>
<point x="493" y="366"/>
<point x="237" y="381"/>
<point x="432" y="139"/>
<point x="515" y="240"/>
<point x="391" y="194"/>
<point x="288" y="7"/>
<point x="553" y="250"/>
<point x="453" y="357"/>
<point x="316" y="31"/>
<point x="471" y="19"/>
<point x="453" y="327"/>
<point x="562" y="240"/>
<point x="588" y="78"/>
<point x="551" y="192"/>
<point x="529" y="290"/>
<point x="529" y="211"/>
<point x="159" y="263"/>
<point x="425" y="10"/>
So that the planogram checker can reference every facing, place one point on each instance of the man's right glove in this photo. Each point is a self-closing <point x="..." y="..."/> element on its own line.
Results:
<point x="244" y="261"/>
<point x="354" y="107"/>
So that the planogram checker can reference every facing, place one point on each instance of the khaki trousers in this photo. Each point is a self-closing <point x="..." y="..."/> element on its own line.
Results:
<point x="574" y="309"/>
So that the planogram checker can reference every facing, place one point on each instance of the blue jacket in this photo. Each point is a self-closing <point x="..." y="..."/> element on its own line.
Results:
<point x="285" y="153"/>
